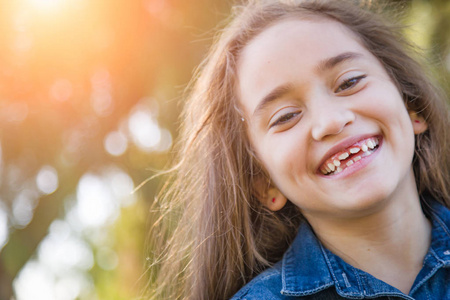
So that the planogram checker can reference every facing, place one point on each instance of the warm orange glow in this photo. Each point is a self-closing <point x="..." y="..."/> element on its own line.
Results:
<point x="47" y="5"/>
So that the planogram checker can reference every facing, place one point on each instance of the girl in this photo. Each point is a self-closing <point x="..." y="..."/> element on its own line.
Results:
<point x="315" y="165"/>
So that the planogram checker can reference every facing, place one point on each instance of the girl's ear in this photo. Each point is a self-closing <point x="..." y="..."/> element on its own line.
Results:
<point x="418" y="122"/>
<point x="274" y="199"/>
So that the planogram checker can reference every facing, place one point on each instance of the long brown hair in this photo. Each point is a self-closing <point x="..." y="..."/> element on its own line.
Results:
<point x="214" y="234"/>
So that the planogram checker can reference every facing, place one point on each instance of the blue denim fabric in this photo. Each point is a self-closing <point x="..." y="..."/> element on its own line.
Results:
<point x="310" y="271"/>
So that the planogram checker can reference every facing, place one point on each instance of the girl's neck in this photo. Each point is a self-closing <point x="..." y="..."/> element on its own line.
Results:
<point x="389" y="244"/>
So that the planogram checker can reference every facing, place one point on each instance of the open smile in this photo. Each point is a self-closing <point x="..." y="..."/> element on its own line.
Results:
<point x="349" y="156"/>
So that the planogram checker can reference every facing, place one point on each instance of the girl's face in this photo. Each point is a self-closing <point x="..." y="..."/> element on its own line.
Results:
<point x="325" y="119"/>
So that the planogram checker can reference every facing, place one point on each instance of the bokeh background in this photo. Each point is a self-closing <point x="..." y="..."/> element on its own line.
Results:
<point x="90" y="93"/>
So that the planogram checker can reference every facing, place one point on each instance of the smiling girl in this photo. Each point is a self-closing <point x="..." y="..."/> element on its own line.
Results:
<point x="315" y="164"/>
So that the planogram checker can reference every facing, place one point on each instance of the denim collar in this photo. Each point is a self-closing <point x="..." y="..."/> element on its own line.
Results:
<point x="308" y="267"/>
<point x="440" y="235"/>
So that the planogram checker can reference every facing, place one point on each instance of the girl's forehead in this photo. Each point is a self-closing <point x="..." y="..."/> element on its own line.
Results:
<point x="318" y="33"/>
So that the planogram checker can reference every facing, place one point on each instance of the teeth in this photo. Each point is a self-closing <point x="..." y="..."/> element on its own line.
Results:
<point x="324" y="172"/>
<point x="343" y="156"/>
<point x="354" y="150"/>
<point x="364" y="148"/>
<point x="331" y="166"/>
<point x="366" y="153"/>
<point x="336" y="163"/>
<point x="338" y="169"/>
<point x="349" y="163"/>
<point x="370" y="144"/>
<point x="357" y="158"/>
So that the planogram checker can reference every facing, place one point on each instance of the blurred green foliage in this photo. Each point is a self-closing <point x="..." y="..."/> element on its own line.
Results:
<point x="73" y="72"/>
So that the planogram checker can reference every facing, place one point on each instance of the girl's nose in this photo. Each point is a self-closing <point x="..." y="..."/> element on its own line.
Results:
<point x="330" y="119"/>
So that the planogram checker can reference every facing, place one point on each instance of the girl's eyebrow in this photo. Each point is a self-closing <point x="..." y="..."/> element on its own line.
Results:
<point x="284" y="89"/>
<point x="276" y="93"/>
<point x="331" y="62"/>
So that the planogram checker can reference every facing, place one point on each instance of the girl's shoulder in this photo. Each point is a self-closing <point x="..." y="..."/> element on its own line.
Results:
<point x="269" y="285"/>
<point x="266" y="285"/>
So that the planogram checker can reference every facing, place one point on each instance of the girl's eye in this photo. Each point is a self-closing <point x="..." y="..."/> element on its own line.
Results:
<point x="285" y="118"/>
<point x="349" y="83"/>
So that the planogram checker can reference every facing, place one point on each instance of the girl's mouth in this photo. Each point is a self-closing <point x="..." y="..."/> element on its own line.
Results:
<point x="347" y="157"/>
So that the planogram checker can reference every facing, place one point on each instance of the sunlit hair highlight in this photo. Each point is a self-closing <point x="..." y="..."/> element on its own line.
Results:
<point x="213" y="234"/>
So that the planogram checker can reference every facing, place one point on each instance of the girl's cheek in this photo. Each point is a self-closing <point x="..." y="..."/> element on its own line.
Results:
<point x="287" y="149"/>
<point x="382" y="102"/>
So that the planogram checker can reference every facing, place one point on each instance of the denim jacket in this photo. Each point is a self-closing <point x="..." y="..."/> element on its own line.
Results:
<point x="310" y="271"/>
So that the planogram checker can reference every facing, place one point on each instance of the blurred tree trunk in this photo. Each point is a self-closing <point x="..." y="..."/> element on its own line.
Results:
<point x="23" y="243"/>
<point x="440" y="40"/>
